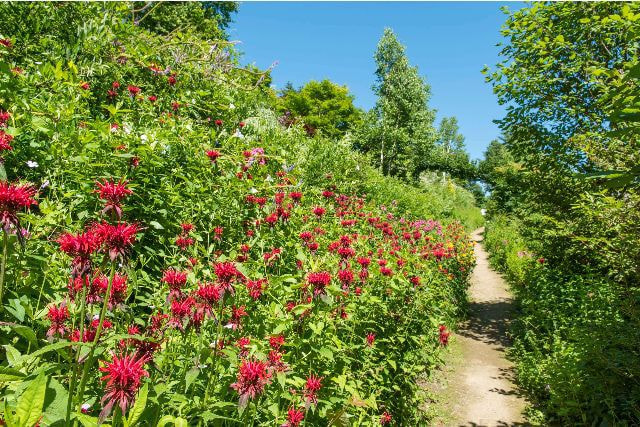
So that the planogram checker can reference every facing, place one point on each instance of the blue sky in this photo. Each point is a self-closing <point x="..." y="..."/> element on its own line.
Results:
<point x="449" y="42"/>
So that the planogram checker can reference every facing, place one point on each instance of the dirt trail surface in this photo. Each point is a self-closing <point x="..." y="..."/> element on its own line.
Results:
<point x="478" y="387"/>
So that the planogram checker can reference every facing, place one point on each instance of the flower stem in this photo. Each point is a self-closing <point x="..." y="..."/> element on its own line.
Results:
<point x="91" y="357"/>
<point x="5" y="248"/>
<point x="74" y="378"/>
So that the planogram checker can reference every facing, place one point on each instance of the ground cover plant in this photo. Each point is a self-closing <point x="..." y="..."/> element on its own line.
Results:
<point x="175" y="254"/>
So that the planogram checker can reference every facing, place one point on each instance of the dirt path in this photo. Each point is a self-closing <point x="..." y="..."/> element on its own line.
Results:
<point x="476" y="387"/>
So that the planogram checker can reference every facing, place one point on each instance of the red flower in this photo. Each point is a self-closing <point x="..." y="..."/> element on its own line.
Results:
<point x="272" y="219"/>
<point x="175" y="106"/>
<point x="276" y="342"/>
<point x="84" y="86"/>
<point x="294" y="417"/>
<point x="123" y="378"/>
<point x="118" y="287"/>
<point x="242" y="345"/>
<point x="57" y="315"/>
<point x="218" y="122"/>
<point x="237" y="313"/>
<point x="328" y="194"/>
<point x="213" y="155"/>
<point x="152" y="98"/>
<point x="253" y="376"/>
<point x="4" y="118"/>
<point x="256" y="288"/>
<point x="175" y="279"/>
<point x="319" y="281"/>
<point x="296" y="196"/>
<point x="14" y="197"/>
<point x="311" y="388"/>
<point x="133" y="90"/>
<point x="172" y="80"/>
<point x="5" y="42"/>
<point x="113" y="193"/>
<point x="385" y="271"/>
<point x="345" y="277"/>
<point x="319" y="211"/>
<point x="227" y="272"/>
<point x="118" y="238"/>
<point x="5" y="141"/>
<point x="241" y="125"/>
<point x="385" y="418"/>
<point x="80" y="246"/>
<point x="444" y="335"/>
<point x="183" y="242"/>
<point x="187" y="227"/>
<point x="210" y="292"/>
<point x="371" y="337"/>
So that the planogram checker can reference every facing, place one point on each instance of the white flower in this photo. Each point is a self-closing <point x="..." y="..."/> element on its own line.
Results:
<point x="45" y="184"/>
<point x="144" y="138"/>
<point x="126" y="128"/>
<point x="232" y="107"/>
<point x="238" y="134"/>
<point x="32" y="164"/>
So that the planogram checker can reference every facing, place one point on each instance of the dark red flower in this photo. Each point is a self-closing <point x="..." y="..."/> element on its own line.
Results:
<point x="14" y="198"/>
<point x="256" y="287"/>
<point x="172" y="80"/>
<point x="227" y="272"/>
<point x="84" y="85"/>
<point x="123" y="377"/>
<point x="4" y="118"/>
<point x="187" y="227"/>
<point x="210" y="292"/>
<point x="133" y="90"/>
<point x="296" y="196"/>
<point x="213" y="155"/>
<point x="253" y="376"/>
<point x="242" y="345"/>
<point x="218" y="122"/>
<point x="319" y="211"/>
<point x="5" y="42"/>
<point x="152" y="98"/>
<point x="113" y="193"/>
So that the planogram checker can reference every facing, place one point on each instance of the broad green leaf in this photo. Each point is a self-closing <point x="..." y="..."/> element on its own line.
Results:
<point x="29" y="408"/>
<point x="139" y="406"/>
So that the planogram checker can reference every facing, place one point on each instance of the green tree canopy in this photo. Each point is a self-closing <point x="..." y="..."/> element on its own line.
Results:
<point x="399" y="130"/>
<point x="323" y="106"/>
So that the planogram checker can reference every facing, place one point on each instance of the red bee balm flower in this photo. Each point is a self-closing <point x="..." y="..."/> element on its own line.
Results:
<point x="253" y="376"/>
<point x="117" y="239"/>
<point x="113" y="193"/>
<point x="444" y="335"/>
<point x="58" y="315"/>
<point x="385" y="418"/>
<point x="123" y="377"/>
<point x="294" y="417"/>
<point x="80" y="246"/>
<point x="371" y="337"/>
<point x="5" y="141"/>
<point x="311" y="388"/>
<point x="319" y="281"/>
<point x="14" y="197"/>
<point x="213" y="155"/>
<point x="133" y="90"/>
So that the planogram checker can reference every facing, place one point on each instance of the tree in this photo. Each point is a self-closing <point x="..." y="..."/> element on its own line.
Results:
<point x="399" y="129"/>
<point x="209" y="18"/>
<point x="449" y="154"/>
<point x="323" y="106"/>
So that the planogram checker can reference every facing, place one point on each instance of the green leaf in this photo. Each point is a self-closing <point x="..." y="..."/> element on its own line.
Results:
<point x="139" y="406"/>
<point x="156" y="225"/>
<point x="10" y="374"/>
<point x="30" y="404"/>
<point x="190" y="377"/>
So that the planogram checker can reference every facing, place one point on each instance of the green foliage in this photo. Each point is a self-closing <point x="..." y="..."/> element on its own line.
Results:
<point x="323" y="107"/>
<point x="568" y="170"/>
<point x="72" y="126"/>
<point x="398" y="132"/>
<point x="449" y="154"/>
